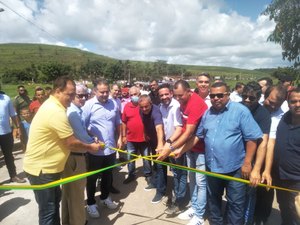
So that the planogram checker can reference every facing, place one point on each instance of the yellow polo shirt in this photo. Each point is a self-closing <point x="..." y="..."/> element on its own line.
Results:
<point x="45" y="151"/>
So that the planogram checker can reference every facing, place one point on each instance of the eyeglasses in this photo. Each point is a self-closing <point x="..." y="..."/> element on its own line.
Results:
<point x="251" y="98"/>
<point x="82" y="95"/>
<point x="219" y="95"/>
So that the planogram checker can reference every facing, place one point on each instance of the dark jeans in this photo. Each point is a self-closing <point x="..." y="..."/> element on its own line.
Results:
<point x="94" y="163"/>
<point x="7" y="144"/>
<point x="286" y="201"/>
<point x="179" y="179"/>
<point x="263" y="206"/>
<point x="235" y="195"/>
<point x="47" y="199"/>
<point x="143" y="149"/>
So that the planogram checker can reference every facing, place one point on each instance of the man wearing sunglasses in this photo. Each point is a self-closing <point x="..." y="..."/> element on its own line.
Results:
<point x="230" y="134"/>
<point x="73" y="204"/>
<point x="250" y="98"/>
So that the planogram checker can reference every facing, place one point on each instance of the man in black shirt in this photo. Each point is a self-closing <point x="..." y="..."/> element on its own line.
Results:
<point x="250" y="98"/>
<point x="286" y="170"/>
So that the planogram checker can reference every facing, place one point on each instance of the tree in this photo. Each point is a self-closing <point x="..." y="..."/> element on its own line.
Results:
<point x="55" y="70"/>
<point x="286" y="14"/>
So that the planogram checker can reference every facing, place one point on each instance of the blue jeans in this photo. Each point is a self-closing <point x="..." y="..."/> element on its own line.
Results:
<point x="250" y="204"/>
<point x="47" y="199"/>
<point x="235" y="195"/>
<point x="197" y="182"/>
<point x="136" y="148"/>
<point x="179" y="179"/>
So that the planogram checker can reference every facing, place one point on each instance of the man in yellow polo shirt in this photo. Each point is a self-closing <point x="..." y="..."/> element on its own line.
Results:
<point x="50" y="141"/>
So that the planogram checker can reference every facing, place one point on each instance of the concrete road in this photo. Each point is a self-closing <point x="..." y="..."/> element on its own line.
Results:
<point x="135" y="207"/>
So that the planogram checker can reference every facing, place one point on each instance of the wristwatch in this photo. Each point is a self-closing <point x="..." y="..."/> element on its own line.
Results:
<point x="169" y="141"/>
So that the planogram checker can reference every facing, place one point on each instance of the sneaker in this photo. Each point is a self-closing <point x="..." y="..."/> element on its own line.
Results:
<point x="196" y="221"/>
<point x="172" y="210"/>
<point x="149" y="187"/>
<point x="187" y="214"/>
<point x="129" y="179"/>
<point x="157" y="198"/>
<point x="93" y="211"/>
<point x="109" y="203"/>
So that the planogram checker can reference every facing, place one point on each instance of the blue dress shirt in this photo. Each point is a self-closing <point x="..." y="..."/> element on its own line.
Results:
<point x="225" y="134"/>
<point x="102" y="120"/>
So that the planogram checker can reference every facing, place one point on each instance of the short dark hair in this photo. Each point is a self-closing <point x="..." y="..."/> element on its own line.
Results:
<point x="204" y="74"/>
<point x="100" y="82"/>
<point x="154" y="80"/>
<point x="269" y="81"/>
<point x="253" y="87"/>
<point x="184" y="84"/>
<point x="165" y="85"/>
<point x="239" y="85"/>
<point x="61" y="82"/>
<point x="294" y="90"/>
<point x="220" y="84"/>
<point x="21" y="86"/>
<point x="282" y="92"/>
<point x="39" y="89"/>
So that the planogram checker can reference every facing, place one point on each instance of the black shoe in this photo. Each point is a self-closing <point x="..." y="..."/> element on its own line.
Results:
<point x="17" y="180"/>
<point x="114" y="190"/>
<point x="129" y="179"/>
<point x="157" y="198"/>
<point x="172" y="210"/>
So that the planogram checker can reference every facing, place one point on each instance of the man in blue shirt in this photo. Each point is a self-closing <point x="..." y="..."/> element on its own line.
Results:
<point x="230" y="134"/>
<point x="7" y="111"/>
<point x="73" y="210"/>
<point x="102" y="118"/>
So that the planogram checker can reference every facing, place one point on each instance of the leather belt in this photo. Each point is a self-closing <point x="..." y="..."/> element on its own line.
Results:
<point x="77" y="153"/>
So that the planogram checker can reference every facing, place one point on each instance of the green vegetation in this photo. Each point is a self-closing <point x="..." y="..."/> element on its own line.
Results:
<point x="37" y="63"/>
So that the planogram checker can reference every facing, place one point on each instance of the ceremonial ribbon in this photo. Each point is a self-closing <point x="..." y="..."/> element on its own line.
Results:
<point x="83" y="175"/>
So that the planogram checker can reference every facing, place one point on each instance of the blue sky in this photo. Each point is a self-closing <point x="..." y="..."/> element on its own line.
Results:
<point x="197" y="32"/>
<point x="249" y="8"/>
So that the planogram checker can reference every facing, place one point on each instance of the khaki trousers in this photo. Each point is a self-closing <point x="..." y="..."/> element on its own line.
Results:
<point x="73" y="204"/>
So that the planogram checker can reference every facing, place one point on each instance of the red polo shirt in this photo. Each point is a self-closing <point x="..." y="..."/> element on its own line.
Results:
<point x="192" y="113"/>
<point x="135" y="128"/>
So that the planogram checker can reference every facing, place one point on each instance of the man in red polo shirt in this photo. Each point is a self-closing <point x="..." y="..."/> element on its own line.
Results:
<point x="192" y="108"/>
<point x="133" y="135"/>
<point x="40" y="98"/>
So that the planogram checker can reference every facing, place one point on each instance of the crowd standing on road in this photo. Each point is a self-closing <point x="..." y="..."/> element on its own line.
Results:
<point x="250" y="133"/>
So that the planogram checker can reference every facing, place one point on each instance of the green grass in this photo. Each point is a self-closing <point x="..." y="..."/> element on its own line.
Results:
<point x="11" y="89"/>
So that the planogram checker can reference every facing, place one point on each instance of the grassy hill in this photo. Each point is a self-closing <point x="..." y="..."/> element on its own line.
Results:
<point x="22" y="56"/>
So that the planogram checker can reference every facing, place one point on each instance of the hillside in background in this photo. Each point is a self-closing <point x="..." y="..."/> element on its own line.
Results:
<point x="22" y="56"/>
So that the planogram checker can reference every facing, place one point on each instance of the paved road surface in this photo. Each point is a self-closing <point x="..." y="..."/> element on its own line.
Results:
<point x="20" y="208"/>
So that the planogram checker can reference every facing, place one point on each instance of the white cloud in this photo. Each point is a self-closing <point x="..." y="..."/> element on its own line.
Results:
<point x="184" y="32"/>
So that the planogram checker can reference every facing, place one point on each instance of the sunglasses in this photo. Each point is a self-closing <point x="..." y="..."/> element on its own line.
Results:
<point x="82" y="95"/>
<point x="219" y="95"/>
<point x="251" y="98"/>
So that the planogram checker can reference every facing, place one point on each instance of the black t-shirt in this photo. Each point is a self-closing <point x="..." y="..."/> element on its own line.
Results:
<point x="287" y="150"/>
<point x="263" y="118"/>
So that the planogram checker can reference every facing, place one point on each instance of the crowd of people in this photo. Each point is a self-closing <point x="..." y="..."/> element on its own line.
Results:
<point x="251" y="132"/>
